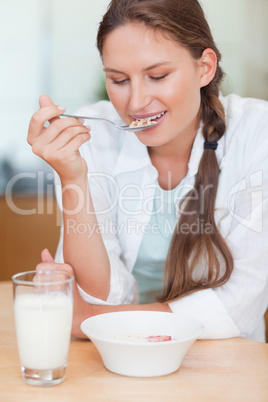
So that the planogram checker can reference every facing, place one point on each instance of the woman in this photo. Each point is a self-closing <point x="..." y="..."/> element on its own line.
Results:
<point x="200" y="173"/>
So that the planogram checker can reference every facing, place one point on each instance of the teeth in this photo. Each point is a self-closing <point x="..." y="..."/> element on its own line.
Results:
<point x="157" y="116"/>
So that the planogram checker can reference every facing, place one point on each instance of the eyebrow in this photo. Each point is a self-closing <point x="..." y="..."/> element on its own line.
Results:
<point x="113" y="70"/>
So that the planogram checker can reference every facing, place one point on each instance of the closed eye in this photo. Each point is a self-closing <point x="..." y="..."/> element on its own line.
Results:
<point x="120" y="82"/>
<point x="159" y="77"/>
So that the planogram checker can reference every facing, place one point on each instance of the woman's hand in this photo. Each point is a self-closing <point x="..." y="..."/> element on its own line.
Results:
<point x="81" y="309"/>
<point x="59" y="143"/>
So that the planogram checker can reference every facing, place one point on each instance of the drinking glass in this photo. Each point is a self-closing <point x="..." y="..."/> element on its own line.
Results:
<point x="43" y="306"/>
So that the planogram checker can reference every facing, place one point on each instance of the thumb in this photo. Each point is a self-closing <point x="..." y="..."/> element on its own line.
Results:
<point x="44" y="101"/>
<point x="46" y="256"/>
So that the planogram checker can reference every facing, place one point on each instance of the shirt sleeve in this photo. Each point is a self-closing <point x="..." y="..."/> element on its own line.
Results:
<point x="206" y="307"/>
<point x="123" y="287"/>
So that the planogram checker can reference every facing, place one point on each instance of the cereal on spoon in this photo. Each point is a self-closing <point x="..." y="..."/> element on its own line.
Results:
<point x="142" y="122"/>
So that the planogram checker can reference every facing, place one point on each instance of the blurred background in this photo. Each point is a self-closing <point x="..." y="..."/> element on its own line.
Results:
<point x="48" y="46"/>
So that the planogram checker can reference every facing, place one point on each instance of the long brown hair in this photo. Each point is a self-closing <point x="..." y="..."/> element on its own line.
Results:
<point x="184" y="22"/>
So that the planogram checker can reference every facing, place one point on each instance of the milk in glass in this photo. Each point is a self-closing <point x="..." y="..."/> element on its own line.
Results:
<point x="43" y="326"/>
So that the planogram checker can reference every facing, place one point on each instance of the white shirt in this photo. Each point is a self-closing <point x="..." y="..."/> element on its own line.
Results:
<point x="122" y="178"/>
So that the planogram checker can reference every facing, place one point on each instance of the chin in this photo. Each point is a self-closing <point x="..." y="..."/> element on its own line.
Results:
<point x="150" y="142"/>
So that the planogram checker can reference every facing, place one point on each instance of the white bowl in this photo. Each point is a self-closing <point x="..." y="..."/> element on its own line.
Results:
<point x="142" y="359"/>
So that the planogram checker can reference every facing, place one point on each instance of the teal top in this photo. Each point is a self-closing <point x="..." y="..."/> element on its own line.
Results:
<point x="149" y="267"/>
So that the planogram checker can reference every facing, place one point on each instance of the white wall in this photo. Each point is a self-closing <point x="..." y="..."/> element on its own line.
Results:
<point x="48" y="46"/>
<point x="240" y="30"/>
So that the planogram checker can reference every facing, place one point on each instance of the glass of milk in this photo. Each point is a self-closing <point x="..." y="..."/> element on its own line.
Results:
<point x="43" y="306"/>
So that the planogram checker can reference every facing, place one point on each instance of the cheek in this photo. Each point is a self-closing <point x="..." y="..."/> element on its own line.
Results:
<point x="116" y="96"/>
<point x="189" y="92"/>
<point x="109" y="90"/>
<point x="184" y="100"/>
<point x="118" y="99"/>
<point x="184" y="87"/>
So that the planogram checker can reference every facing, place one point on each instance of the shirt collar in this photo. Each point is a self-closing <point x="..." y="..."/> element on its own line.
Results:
<point x="134" y="155"/>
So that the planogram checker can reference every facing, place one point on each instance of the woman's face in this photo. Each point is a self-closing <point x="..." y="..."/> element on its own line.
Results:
<point x="151" y="76"/>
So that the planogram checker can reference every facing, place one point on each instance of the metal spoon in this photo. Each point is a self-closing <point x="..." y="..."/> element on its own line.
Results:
<point x="126" y="127"/>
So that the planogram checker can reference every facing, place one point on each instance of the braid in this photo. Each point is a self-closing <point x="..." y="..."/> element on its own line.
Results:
<point x="187" y="250"/>
<point x="213" y="114"/>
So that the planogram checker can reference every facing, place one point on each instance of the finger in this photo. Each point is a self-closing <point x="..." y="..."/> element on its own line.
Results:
<point x="48" y="112"/>
<point x="46" y="256"/>
<point x="46" y="266"/>
<point x="53" y="266"/>
<point x="45" y="101"/>
<point x="82" y="134"/>
<point x="45" y="146"/>
<point x="36" y="127"/>
<point x="63" y="130"/>
<point x="71" y="146"/>
<point x="39" y="118"/>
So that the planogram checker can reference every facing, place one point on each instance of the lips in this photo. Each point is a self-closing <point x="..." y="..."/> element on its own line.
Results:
<point x="155" y="117"/>
<point x="151" y="117"/>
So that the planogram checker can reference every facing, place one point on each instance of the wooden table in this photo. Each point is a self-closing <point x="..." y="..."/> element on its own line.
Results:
<point x="222" y="370"/>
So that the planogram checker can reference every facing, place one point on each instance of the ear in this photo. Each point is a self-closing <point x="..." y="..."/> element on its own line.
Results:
<point x="208" y="65"/>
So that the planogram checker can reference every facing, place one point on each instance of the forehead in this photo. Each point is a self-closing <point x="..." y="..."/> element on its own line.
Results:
<point x="138" y="29"/>
<point x="137" y="40"/>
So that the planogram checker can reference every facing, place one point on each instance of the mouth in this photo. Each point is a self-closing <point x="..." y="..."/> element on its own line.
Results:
<point x="153" y="118"/>
<point x="156" y="118"/>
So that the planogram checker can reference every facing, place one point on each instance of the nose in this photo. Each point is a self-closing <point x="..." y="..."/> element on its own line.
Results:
<point x="140" y="97"/>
